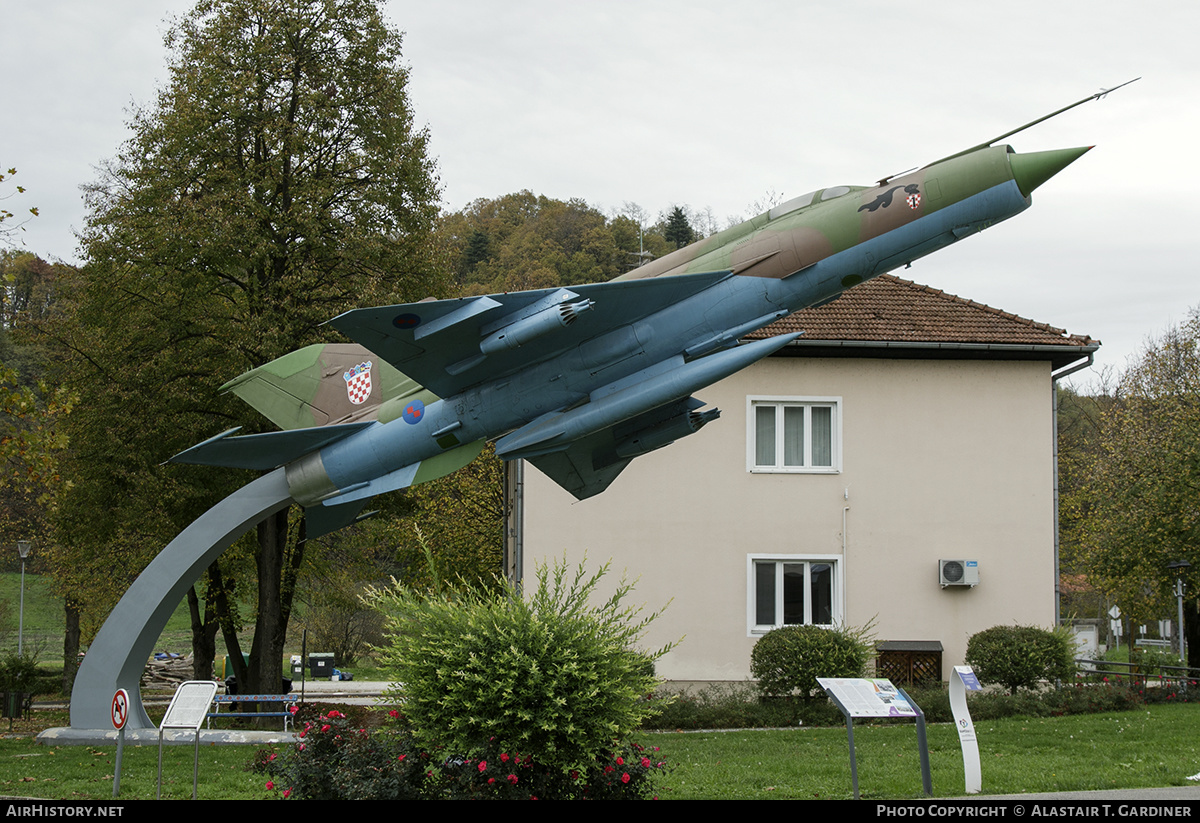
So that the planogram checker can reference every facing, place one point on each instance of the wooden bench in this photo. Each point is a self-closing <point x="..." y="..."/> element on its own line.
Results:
<point x="288" y="701"/>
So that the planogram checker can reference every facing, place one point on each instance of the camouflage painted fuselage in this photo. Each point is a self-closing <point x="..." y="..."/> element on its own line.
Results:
<point x="931" y="208"/>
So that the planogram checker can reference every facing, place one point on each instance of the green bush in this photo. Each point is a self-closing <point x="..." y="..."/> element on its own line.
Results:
<point x="787" y="661"/>
<point x="1019" y="657"/>
<point x="355" y="758"/>
<point x="555" y="674"/>
<point x="1151" y="661"/>
<point x="19" y="673"/>
<point x="738" y="706"/>
<point x="991" y="705"/>
<point x="340" y="758"/>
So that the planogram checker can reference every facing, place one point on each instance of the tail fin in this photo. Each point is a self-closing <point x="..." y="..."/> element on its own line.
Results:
<point x="323" y="385"/>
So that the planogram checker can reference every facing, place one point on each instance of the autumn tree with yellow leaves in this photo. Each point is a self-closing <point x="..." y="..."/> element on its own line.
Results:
<point x="1143" y="490"/>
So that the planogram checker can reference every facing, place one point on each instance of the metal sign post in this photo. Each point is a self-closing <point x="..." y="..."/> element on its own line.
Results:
<point x="857" y="697"/>
<point x="188" y="709"/>
<point x="964" y="680"/>
<point x="119" y="714"/>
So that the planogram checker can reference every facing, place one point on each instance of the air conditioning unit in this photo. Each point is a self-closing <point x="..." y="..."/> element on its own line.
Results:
<point x="958" y="573"/>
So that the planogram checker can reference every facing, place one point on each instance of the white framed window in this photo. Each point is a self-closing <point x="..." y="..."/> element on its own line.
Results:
<point x="794" y="434"/>
<point x="788" y="590"/>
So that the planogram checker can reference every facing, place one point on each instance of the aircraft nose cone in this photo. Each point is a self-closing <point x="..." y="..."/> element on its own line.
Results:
<point x="1035" y="168"/>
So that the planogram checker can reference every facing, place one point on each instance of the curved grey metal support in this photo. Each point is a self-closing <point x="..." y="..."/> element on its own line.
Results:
<point x="118" y="655"/>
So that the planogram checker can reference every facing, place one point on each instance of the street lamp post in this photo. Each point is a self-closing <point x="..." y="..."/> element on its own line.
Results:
<point x="1178" y="567"/>
<point x="23" y="547"/>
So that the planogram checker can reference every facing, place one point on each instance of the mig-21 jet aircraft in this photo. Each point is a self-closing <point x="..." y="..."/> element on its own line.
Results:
<point x="581" y="380"/>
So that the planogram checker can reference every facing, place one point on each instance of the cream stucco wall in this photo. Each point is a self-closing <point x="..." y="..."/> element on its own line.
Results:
<point x="940" y="459"/>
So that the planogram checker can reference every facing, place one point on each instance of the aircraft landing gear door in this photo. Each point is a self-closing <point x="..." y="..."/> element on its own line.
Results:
<point x="963" y="681"/>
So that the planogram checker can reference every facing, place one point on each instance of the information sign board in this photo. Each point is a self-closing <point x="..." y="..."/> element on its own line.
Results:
<point x="867" y="698"/>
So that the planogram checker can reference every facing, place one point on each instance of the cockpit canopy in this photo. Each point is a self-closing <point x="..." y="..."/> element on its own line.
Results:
<point x="805" y="200"/>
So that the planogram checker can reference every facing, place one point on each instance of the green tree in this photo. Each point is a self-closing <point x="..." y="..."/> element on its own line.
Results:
<point x="277" y="181"/>
<point x="527" y="241"/>
<point x="461" y="515"/>
<point x="1144" y="483"/>
<point x="31" y="443"/>
<point x="678" y="230"/>
<point x="1079" y="419"/>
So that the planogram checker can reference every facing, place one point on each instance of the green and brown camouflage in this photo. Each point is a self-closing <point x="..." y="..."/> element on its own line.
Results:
<point x="807" y="229"/>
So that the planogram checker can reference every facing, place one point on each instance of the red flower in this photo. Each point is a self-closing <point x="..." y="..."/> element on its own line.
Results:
<point x="400" y="759"/>
<point x="503" y="758"/>
<point x="325" y="728"/>
<point x="491" y="780"/>
<point x="645" y="762"/>
<point x="287" y="793"/>
<point x="512" y="778"/>
<point x="625" y="777"/>
<point x="620" y="761"/>
<point x="393" y="714"/>
<point x="483" y="765"/>
<point x="270" y="785"/>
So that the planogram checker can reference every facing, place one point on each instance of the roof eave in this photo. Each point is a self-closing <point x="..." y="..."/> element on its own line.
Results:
<point x="1059" y="355"/>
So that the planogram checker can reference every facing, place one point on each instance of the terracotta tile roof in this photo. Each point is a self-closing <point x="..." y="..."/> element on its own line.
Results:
<point x="889" y="309"/>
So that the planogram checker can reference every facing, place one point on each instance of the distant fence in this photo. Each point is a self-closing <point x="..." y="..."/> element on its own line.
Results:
<point x="1140" y="675"/>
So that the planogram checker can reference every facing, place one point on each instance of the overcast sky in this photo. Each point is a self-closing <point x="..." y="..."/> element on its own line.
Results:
<point x="664" y="102"/>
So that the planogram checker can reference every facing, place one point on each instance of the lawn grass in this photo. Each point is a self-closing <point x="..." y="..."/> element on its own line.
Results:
<point x="44" y="626"/>
<point x="44" y="620"/>
<point x="1153" y="746"/>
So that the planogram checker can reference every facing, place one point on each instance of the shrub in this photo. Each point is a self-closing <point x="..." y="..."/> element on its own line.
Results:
<point x="336" y="758"/>
<point x="1020" y="656"/>
<point x="1152" y="661"/>
<point x="499" y="774"/>
<point x="738" y="706"/>
<point x="991" y="705"/>
<point x="787" y="661"/>
<point x="19" y="673"/>
<point x="547" y="674"/>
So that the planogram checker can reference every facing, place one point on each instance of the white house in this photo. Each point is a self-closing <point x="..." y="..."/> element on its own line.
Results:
<point x="905" y="428"/>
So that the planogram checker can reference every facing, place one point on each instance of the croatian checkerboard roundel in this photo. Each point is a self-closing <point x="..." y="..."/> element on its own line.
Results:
<point x="413" y="412"/>
<point x="358" y="383"/>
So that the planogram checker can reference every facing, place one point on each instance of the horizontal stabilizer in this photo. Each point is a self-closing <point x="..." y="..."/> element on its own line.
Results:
<point x="264" y="451"/>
